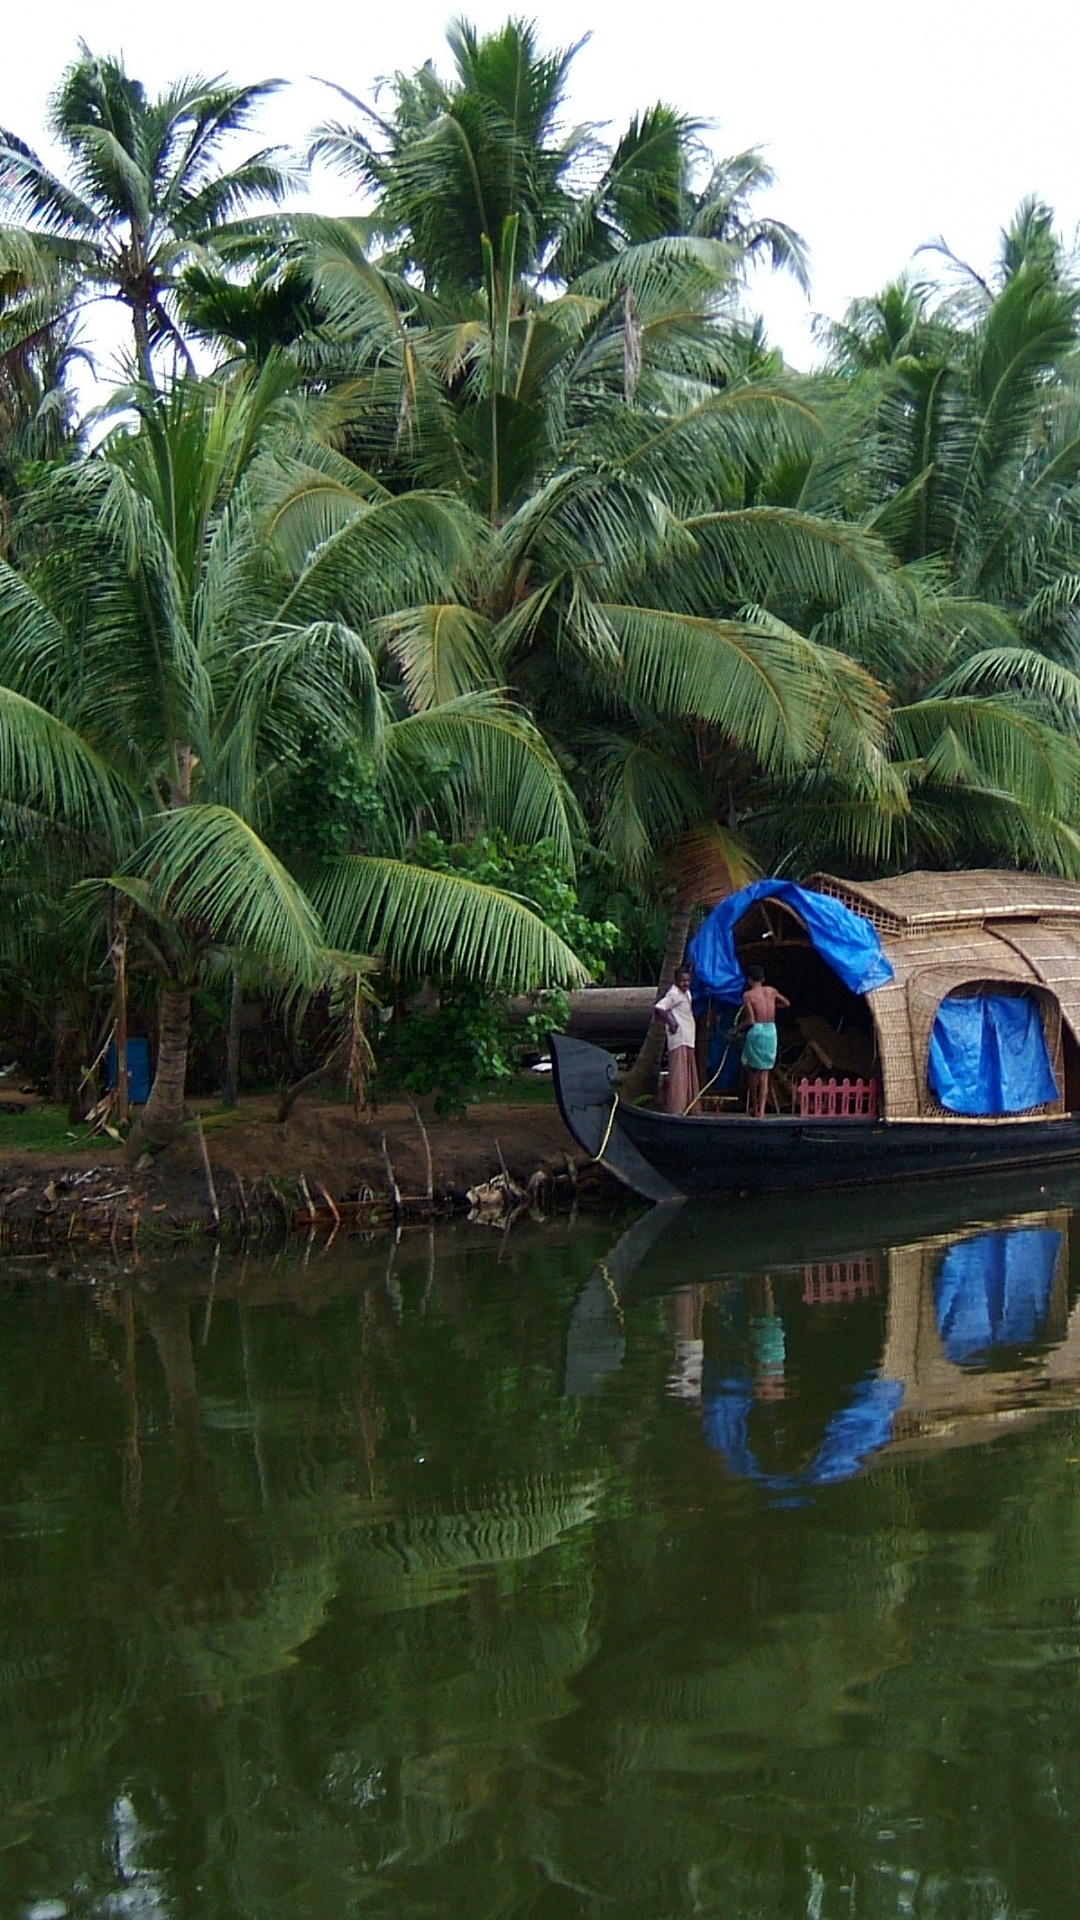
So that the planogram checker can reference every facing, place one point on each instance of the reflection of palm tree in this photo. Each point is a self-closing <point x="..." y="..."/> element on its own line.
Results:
<point x="426" y="1557"/>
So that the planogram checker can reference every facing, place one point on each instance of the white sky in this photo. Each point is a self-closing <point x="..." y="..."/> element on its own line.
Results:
<point x="886" y="125"/>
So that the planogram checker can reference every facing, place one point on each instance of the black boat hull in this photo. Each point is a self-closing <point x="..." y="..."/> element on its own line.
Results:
<point x="665" y="1156"/>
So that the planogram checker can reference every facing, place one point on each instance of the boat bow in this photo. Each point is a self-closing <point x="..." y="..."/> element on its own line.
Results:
<point x="586" y="1087"/>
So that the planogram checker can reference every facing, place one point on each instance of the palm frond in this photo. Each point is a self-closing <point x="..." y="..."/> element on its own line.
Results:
<point x="993" y="745"/>
<point x="425" y="922"/>
<point x="208" y="868"/>
<point x="744" y="680"/>
<point x="1019" y="671"/>
<point x="768" y="553"/>
<point x="394" y="551"/>
<point x="483" y="759"/>
<point x="443" y="651"/>
<point x="48" y="766"/>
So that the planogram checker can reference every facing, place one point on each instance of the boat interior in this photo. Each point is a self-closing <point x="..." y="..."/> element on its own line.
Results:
<point x="827" y="1036"/>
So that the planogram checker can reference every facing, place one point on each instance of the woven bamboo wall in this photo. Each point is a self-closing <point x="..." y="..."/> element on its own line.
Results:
<point x="927" y="968"/>
<point x="943" y="931"/>
<point x="1054" y="951"/>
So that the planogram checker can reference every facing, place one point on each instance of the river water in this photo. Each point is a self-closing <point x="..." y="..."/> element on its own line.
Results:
<point x="713" y="1563"/>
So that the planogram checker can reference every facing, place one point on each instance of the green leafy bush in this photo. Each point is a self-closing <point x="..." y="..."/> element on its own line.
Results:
<point x="451" y="1037"/>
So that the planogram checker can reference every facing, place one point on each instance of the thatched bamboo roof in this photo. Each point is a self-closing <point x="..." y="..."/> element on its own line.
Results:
<point x="913" y="901"/>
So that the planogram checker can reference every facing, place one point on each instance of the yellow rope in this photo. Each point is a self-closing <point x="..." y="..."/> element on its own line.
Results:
<point x="613" y="1292"/>
<point x="702" y="1091"/>
<point x="607" y="1131"/>
<point x="710" y="1083"/>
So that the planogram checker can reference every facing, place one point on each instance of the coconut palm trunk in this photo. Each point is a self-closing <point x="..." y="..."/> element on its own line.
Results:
<point x="141" y="328"/>
<point x="163" y="1114"/>
<point x="230" y="1092"/>
<point x="644" y="1075"/>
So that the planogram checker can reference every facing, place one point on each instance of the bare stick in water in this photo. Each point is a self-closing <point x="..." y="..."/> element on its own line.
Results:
<point x="211" y="1190"/>
<point x="427" y="1156"/>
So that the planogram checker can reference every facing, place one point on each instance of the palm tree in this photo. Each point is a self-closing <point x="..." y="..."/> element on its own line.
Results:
<point x="146" y="192"/>
<point x="669" y="587"/>
<point x="476" y="183"/>
<point x="621" y="583"/>
<point x="473" y="178"/>
<point x="179" y="634"/>
<point x="680" y="569"/>
<point x="646" y="191"/>
<point x="954" y="435"/>
<point x="37" y="351"/>
<point x="959" y="430"/>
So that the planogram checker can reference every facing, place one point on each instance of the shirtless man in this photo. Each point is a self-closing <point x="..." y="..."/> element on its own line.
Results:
<point x="759" y="1048"/>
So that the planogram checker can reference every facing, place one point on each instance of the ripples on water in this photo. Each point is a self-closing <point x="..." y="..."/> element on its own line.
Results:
<point x="728" y="1566"/>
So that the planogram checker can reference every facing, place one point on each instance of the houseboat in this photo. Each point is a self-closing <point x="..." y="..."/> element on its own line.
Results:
<point x="934" y="1030"/>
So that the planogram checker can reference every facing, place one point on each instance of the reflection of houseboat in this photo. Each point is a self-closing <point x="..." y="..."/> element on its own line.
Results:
<point x="824" y="1355"/>
<point x="934" y="1028"/>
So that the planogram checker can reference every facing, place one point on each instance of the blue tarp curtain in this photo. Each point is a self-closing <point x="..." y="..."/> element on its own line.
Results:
<point x="988" y="1055"/>
<point x="861" y="1428"/>
<point x="994" y="1291"/>
<point x="725" y="1058"/>
<point x="844" y="939"/>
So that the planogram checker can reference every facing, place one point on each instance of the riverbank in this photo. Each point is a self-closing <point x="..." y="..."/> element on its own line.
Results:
<point x="243" y="1173"/>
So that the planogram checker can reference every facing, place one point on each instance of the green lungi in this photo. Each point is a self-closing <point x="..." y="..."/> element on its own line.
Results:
<point x="759" y="1047"/>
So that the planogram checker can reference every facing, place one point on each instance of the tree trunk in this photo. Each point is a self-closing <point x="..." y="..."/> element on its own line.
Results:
<point x="292" y="1094"/>
<point x="118" y="956"/>
<point x="140" y="325"/>
<point x="230" y="1092"/>
<point x="644" y="1075"/>
<point x="163" y="1114"/>
<point x="65" y="1086"/>
<point x="168" y="1315"/>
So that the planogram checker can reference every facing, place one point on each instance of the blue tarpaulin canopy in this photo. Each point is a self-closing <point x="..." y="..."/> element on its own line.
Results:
<point x="861" y="1428"/>
<point x="994" y="1291"/>
<point x="844" y="939"/>
<point x="988" y="1055"/>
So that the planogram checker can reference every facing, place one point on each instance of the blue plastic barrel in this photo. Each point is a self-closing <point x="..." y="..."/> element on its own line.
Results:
<point x="138" y="1060"/>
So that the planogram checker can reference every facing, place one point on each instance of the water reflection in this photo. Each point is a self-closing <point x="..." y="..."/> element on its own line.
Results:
<point x="663" y="1573"/>
<point x="996" y="1290"/>
<point x="942" y="1327"/>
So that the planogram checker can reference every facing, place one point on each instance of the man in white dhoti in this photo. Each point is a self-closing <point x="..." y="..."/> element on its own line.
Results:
<point x="676" y="1010"/>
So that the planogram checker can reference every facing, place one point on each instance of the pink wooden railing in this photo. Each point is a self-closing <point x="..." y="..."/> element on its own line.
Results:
<point x="837" y="1099"/>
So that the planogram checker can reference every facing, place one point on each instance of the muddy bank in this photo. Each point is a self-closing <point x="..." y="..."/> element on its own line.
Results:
<point x="322" y="1169"/>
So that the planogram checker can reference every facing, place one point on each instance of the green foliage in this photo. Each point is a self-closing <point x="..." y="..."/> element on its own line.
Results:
<point x="509" y="546"/>
<point x="456" y="1036"/>
<point x="166" y="659"/>
<point x="145" y="191"/>
<point x="333" y="803"/>
<point x="534" y="874"/>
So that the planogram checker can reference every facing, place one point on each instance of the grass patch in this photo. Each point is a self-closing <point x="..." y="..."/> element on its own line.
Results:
<point x="522" y="1089"/>
<point x="46" y="1130"/>
<point x="218" y="1119"/>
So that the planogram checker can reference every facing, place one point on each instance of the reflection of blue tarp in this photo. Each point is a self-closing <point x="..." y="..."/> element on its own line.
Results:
<point x="995" y="1291"/>
<point x="859" y="1429"/>
<point x="988" y="1055"/>
<point x="844" y="939"/>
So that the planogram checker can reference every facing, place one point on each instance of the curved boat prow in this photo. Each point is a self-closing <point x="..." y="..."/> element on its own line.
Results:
<point x="586" y="1088"/>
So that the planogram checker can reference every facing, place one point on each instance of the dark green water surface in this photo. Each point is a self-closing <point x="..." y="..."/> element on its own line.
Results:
<point x="725" y="1565"/>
